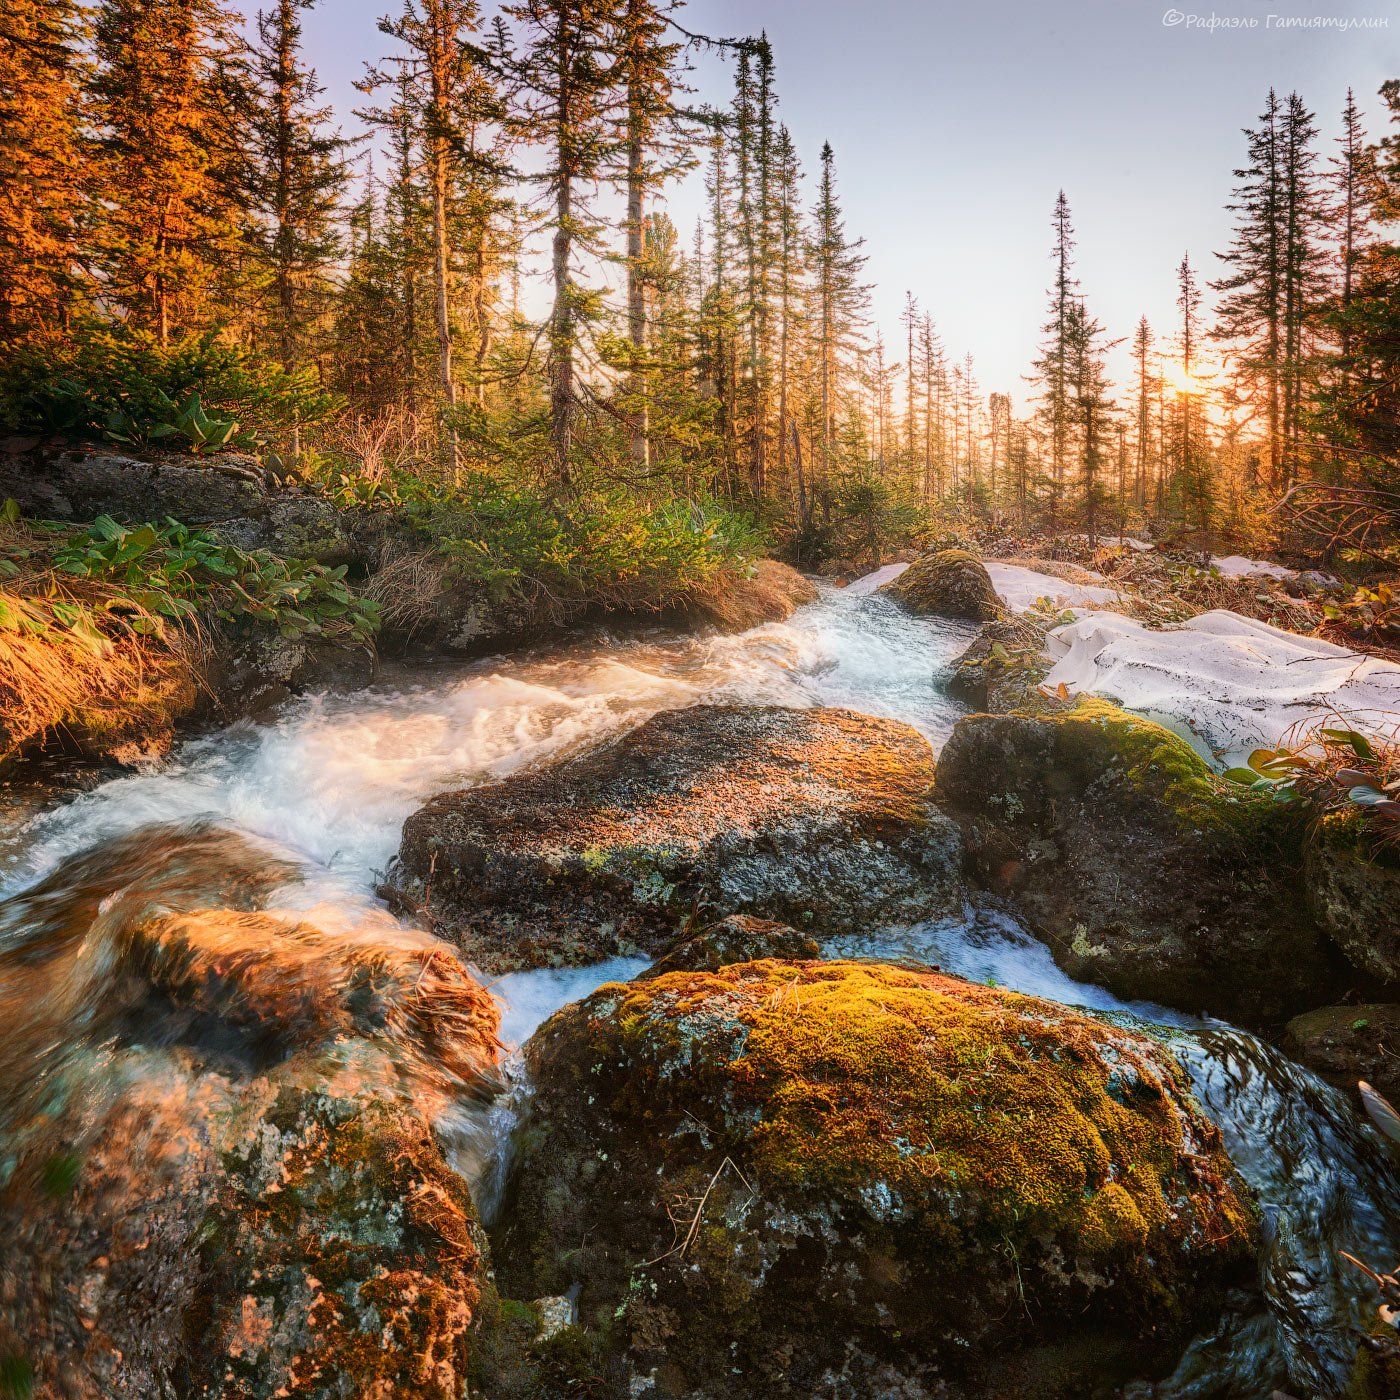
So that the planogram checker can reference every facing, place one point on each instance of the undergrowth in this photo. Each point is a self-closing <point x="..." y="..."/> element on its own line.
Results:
<point x="601" y="547"/>
<point x="103" y="629"/>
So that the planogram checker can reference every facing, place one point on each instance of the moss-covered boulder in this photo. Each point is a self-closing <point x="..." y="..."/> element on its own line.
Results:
<point x="1354" y="888"/>
<point x="1344" y="1044"/>
<point x="845" y="1178"/>
<point x="818" y="818"/>
<point x="949" y="583"/>
<point x="1140" y="868"/>
<point x="1003" y="667"/>
<point x="219" y="1173"/>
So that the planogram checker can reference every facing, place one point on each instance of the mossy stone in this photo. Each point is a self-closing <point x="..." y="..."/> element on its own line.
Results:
<point x="845" y="1164"/>
<point x="948" y="583"/>
<point x="1139" y="866"/>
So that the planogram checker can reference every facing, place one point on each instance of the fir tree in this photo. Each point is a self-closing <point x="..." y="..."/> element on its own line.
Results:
<point x="170" y="155"/>
<point x="41" y="163"/>
<point x="296" y="176"/>
<point x="1051" y="370"/>
<point x="841" y="297"/>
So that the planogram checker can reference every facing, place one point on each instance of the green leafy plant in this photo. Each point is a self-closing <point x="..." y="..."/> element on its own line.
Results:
<point x="187" y="421"/>
<point x="173" y="572"/>
<point x="1373" y="609"/>
<point x="1335" y="769"/>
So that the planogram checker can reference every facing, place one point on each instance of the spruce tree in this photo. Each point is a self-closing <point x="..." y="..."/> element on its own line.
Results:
<point x="170" y="153"/>
<point x="1051" y="370"/>
<point x="654" y="152"/>
<point x="1273" y="294"/>
<point x="567" y="107"/>
<point x="296" y="176"/>
<point x="41" y="163"/>
<point x="1144" y="392"/>
<point x="1365" y="422"/>
<point x="841" y="298"/>
<point x="451" y="95"/>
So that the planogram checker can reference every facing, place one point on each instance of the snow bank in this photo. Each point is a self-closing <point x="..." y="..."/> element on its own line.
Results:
<point x="1237" y="566"/>
<point x="1119" y="542"/>
<point x="867" y="584"/>
<point x="1235" y="683"/>
<point x="1020" y="589"/>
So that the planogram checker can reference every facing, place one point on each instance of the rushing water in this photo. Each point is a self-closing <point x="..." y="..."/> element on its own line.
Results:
<point x="324" y="788"/>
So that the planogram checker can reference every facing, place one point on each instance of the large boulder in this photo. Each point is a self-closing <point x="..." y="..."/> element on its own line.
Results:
<point x="949" y="583"/>
<point x="1140" y="868"/>
<point x="220" y="1174"/>
<point x="845" y="1178"/>
<point x="819" y="818"/>
<point x="1354" y="887"/>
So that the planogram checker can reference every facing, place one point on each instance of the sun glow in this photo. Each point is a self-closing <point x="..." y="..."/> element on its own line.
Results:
<point x="1182" y="383"/>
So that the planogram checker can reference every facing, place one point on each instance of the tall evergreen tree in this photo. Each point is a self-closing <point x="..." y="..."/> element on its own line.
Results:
<point x="1143" y="395"/>
<point x="654" y="153"/>
<point x="296" y="176"/>
<point x="452" y="94"/>
<point x="41" y="163"/>
<point x="840" y="295"/>
<point x="1052" y="368"/>
<point x="1365" y="420"/>
<point x="170" y="155"/>
<point x="1273" y="292"/>
<point x="568" y="102"/>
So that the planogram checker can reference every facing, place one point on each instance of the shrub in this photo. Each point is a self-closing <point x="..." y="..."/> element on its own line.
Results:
<point x="605" y="547"/>
<point x="104" y="380"/>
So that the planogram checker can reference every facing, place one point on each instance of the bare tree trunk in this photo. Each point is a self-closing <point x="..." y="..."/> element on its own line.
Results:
<point x="640" y="435"/>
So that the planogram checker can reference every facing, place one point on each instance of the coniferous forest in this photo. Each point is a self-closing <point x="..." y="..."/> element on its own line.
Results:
<point x="592" y="809"/>
<point x="184" y="215"/>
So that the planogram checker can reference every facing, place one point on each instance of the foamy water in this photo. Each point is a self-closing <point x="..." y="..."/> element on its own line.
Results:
<point x="329" y="781"/>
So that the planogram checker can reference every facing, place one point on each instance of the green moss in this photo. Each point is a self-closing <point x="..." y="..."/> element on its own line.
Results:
<point x="905" y="1087"/>
<point x="1166" y="767"/>
<point x="950" y="582"/>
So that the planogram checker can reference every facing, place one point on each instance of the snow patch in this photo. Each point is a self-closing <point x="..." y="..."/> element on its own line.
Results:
<point x="1021" y="588"/>
<point x="1235" y="683"/>
<point x="1237" y="566"/>
<point x="869" y="583"/>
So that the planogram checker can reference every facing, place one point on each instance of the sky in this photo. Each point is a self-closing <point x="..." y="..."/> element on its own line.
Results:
<point x="954" y="125"/>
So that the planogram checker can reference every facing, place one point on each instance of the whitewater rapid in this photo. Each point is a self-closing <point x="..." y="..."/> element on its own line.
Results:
<point x="326" y="784"/>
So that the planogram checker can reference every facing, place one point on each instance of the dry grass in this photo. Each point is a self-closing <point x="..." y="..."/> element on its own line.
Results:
<point x="85" y="658"/>
<point x="407" y="587"/>
<point x="1160" y="590"/>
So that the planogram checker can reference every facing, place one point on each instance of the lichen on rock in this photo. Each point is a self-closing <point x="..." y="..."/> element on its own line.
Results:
<point x="1143" y="870"/>
<point x="780" y="1173"/>
<point x="949" y="583"/>
<point x="1353" y="884"/>
<point x="219" y="1173"/>
<point x="820" y="818"/>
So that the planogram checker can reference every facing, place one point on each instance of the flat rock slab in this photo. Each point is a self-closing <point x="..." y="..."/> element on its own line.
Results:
<point x="820" y="818"/>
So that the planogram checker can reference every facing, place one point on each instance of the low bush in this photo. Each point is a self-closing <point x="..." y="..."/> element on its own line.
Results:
<point x="106" y="381"/>
<point x="604" y="547"/>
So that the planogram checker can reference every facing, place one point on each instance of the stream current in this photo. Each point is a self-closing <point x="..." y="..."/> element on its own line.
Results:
<point x="326" y="784"/>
